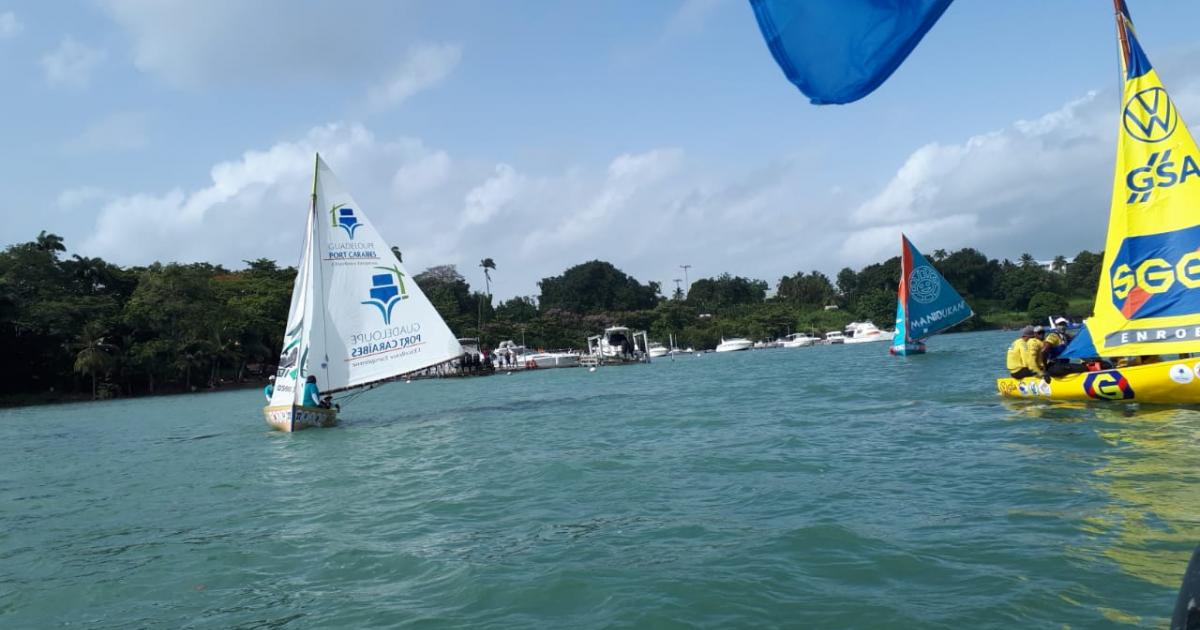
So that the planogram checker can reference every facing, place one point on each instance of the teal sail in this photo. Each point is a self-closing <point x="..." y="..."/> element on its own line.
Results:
<point x="926" y="304"/>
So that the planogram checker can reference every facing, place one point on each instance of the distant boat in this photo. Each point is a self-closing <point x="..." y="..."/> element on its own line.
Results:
<point x="734" y="344"/>
<point x="797" y="340"/>
<point x="865" y="332"/>
<point x="925" y="305"/>
<point x="835" y="336"/>
<point x="356" y="317"/>
<point x="1148" y="298"/>
<point x="657" y="350"/>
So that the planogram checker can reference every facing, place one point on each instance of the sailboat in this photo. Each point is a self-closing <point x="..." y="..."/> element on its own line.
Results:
<point x="356" y="317"/>
<point x="1148" y="300"/>
<point x="925" y="305"/>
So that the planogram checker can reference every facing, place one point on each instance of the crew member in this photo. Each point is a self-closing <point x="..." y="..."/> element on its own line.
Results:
<point x="270" y="388"/>
<point x="1017" y="354"/>
<point x="312" y="395"/>
<point x="1034" y="347"/>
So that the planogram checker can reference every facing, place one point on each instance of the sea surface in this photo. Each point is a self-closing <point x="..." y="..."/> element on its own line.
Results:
<point x="827" y="487"/>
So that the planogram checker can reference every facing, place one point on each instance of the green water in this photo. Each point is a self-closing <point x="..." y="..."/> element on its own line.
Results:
<point x="828" y="487"/>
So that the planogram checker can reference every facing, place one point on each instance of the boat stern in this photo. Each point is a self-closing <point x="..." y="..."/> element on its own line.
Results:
<point x="289" y="418"/>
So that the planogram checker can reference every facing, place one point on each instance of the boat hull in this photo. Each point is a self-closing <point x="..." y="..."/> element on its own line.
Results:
<point x="907" y="349"/>
<point x="289" y="418"/>
<point x="1169" y="382"/>
<point x="867" y="339"/>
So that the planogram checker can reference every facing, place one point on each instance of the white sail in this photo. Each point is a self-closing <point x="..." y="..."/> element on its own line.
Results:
<point x="289" y="376"/>
<point x="376" y="323"/>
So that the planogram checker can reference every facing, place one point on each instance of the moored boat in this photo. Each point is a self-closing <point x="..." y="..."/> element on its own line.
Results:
<point x="797" y="340"/>
<point x="734" y="344"/>
<point x="1148" y="299"/>
<point x="864" y="332"/>
<point x="355" y="319"/>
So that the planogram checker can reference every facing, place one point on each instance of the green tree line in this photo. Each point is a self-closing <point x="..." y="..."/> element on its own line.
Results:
<point x="82" y="327"/>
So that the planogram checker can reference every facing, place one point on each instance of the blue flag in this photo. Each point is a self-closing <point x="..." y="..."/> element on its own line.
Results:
<point x="838" y="51"/>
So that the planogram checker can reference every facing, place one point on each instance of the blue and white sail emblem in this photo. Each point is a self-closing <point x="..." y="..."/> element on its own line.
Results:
<point x="924" y="284"/>
<point x="344" y="218"/>
<point x="387" y="290"/>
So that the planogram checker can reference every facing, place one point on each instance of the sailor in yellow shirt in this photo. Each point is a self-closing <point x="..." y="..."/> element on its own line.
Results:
<point x="1034" y="350"/>
<point x="1018" y="353"/>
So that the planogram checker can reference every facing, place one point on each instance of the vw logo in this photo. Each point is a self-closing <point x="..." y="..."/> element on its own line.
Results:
<point x="924" y="285"/>
<point x="1150" y="116"/>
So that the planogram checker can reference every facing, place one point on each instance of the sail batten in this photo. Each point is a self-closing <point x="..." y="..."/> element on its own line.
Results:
<point x="1148" y="298"/>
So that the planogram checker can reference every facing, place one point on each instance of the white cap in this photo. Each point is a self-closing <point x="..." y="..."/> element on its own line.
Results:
<point x="1060" y="320"/>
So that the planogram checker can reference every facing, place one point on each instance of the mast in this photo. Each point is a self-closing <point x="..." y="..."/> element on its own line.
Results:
<point x="1118" y="7"/>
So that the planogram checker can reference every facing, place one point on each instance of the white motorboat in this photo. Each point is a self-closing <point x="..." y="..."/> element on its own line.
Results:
<point x="735" y="344"/>
<point x="553" y="359"/>
<point x="834" y="336"/>
<point x="797" y="340"/>
<point x="866" y="332"/>
<point x="657" y="350"/>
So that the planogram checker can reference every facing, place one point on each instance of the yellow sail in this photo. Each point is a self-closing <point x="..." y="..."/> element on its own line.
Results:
<point x="1148" y="300"/>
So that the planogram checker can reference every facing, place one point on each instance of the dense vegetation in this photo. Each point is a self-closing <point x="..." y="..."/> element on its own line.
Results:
<point x="82" y="327"/>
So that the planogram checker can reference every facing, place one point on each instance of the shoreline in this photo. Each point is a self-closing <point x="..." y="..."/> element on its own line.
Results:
<point x="16" y="401"/>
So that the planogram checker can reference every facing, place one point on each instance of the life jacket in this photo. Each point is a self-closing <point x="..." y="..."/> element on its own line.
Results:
<point x="1015" y="359"/>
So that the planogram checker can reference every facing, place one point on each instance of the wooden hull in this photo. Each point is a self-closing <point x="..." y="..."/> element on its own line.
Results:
<point x="1169" y="382"/>
<point x="290" y="418"/>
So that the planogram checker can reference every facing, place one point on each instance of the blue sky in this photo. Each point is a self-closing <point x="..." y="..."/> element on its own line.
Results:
<point x="543" y="134"/>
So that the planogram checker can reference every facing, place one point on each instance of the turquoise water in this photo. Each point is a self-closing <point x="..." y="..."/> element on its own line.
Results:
<point x="821" y="487"/>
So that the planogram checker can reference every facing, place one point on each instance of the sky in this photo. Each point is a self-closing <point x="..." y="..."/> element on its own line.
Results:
<point x="546" y="134"/>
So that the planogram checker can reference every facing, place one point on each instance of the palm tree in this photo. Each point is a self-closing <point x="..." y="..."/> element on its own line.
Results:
<point x="1060" y="264"/>
<point x="1027" y="260"/>
<point x="939" y="255"/>
<point x="488" y="266"/>
<point x="94" y="353"/>
<point x="50" y="242"/>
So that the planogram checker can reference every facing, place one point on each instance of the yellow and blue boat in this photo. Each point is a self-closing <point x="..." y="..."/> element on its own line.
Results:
<point x="1148" y="300"/>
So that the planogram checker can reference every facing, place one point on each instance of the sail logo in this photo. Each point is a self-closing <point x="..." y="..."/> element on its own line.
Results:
<point x="1159" y="171"/>
<point x="924" y="284"/>
<point x="1150" y="115"/>
<point x="343" y="217"/>
<point x="1108" y="385"/>
<point x="387" y="290"/>
<point x="1157" y="275"/>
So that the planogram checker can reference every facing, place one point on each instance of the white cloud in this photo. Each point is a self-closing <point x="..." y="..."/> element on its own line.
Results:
<point x="421" y="176"/>
<point x="254" y="205"/>
<point x="267" y="42"/>
<point x="82" y="197"/>
<point x="121" y="131"/>
<point x="71" y="64"/>
<point x="1040" y="186"/>
<point x="424" y="67"/>
<point x="10" y="26"/>
<point x="489" y="198"/>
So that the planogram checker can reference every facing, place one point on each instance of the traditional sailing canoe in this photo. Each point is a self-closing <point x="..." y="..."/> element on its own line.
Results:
<point x="926" y="304"/>
<point x="1148" y="300"/>
<point x="356" y="316"/>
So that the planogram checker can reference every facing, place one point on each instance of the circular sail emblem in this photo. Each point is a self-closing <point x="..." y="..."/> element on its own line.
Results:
<point x="1150" y="116"/>
<point x="924" y="284"/>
